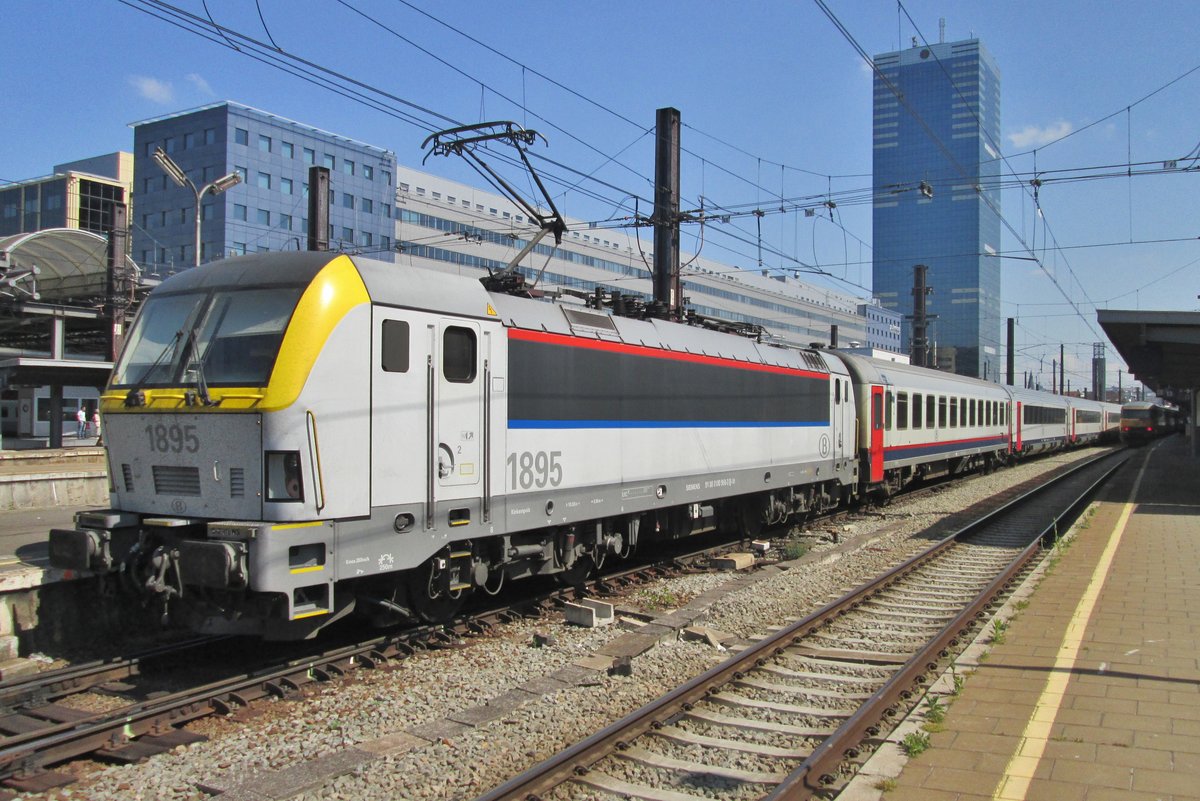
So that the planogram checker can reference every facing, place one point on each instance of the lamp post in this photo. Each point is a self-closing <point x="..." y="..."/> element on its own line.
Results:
<point x="180" y="177"/>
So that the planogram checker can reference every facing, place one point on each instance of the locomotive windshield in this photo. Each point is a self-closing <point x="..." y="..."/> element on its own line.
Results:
<point x="223" y="337"/>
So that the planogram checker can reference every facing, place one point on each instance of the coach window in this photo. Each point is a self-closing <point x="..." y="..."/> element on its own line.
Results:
<point x="930" y="411"/>
<point x="916" y="409"/>
<point x="902" y="411"/>
<point x="954" y="412"/>
<point x="458" y="355"/>
<point x="971" y="403"/>
<point x="888" y="411"/>
<point x="876" y="411"/>
<point x="395" y="346"/>
<point x="941" y="411"/>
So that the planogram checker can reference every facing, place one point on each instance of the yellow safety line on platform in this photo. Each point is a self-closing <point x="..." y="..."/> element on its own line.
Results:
<point x="1021" y="768"/>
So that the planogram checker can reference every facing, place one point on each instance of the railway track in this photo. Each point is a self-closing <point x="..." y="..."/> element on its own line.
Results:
<point x="788" y="717"/>
<point x="36" y="732"/>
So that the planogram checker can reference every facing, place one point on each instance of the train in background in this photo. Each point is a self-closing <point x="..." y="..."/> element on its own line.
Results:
<point x="1142" y="421"/>
<point x="294" y="438"/>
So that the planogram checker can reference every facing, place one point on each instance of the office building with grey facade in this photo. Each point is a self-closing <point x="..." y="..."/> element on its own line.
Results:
<point x="268" y="209"/>
<point x="936" y="197"/>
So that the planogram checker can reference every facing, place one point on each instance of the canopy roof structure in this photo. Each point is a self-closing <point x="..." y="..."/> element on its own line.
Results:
<point x="56" y="313"/>
<point x="55" y="265"/>
<point x="1162" y="349"/>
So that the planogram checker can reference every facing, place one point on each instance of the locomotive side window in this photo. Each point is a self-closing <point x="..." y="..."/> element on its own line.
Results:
<point x="902" y="410"/>
<point x="916" y="409"/>
<point x="394" y="347"/>
<point x="458" y="355"/>
<point x="837" y="391"/>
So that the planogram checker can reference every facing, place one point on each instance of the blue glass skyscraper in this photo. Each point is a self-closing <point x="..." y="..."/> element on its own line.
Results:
<point x="937" y="200"/>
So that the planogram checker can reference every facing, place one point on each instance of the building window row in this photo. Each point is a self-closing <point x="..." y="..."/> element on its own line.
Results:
<point x="175" y="144"/>
<point x="267" y="144"/>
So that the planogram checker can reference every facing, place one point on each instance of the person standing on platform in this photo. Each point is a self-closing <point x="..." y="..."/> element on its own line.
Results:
<point x="81" y="423"/>
<point x="96" y="424"/>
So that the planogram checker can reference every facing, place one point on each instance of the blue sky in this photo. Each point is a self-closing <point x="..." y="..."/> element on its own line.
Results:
<point x="759" y="85"/>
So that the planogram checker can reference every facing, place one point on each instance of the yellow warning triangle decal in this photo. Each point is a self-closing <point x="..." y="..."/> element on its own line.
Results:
<point x="491" y="311"/>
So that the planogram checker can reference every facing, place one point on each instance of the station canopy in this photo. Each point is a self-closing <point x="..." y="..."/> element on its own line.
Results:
<point x="56" y="277"/>
<point x="1162" y="348"/>
<point x="54" y="266"/>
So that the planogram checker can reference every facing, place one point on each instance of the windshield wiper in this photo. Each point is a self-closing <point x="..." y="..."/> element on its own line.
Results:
<point x="136" y="396"/>
<point x="197" y="364"/>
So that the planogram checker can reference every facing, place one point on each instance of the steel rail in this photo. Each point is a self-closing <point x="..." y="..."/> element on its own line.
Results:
<point x="820" y="769"/>
<point x="121" y="733"/>
<point x="142" y="729"/>
<point x="577" y="758"/>
<point x="40" y="687"/>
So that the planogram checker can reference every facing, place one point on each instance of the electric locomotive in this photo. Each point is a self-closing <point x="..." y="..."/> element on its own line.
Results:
<point x="1142" y="421"/>
<point x="294" y="437"/>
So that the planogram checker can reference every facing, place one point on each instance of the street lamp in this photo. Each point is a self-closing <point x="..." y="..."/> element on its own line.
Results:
<point x="176" y="174"/>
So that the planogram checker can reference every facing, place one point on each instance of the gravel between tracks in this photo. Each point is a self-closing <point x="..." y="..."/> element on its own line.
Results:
<point x="431" y="686"/>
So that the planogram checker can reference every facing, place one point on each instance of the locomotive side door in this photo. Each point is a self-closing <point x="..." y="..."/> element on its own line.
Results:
<point x="457" y="381"/>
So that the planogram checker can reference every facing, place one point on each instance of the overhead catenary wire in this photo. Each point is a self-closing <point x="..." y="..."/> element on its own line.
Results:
<point x="575" y="184"/>
<point x="326" y="78"/>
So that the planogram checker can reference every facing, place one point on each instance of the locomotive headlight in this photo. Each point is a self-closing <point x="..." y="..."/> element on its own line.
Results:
<point x="283" y="479"/>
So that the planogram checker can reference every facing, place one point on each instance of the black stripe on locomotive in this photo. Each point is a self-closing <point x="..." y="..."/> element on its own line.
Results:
<point x="556" y="385"/>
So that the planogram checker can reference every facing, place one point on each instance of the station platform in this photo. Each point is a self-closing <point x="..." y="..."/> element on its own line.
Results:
<point x="41" y="488"/>
<point x="1094" y="691"/>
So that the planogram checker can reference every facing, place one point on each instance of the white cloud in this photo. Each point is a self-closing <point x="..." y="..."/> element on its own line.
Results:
<point x="153" y="88"/>
<point x="197" y="80"/>
<point x="1036" y="136"/>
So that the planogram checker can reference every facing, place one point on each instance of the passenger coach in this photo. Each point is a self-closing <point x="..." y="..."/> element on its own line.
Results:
<point x="919" y="423"/>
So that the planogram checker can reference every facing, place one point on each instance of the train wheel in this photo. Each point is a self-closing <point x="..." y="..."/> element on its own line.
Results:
<point x="577" y="573"/>
<point x="432" y="599"/>
<point x="750" y="519"/>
